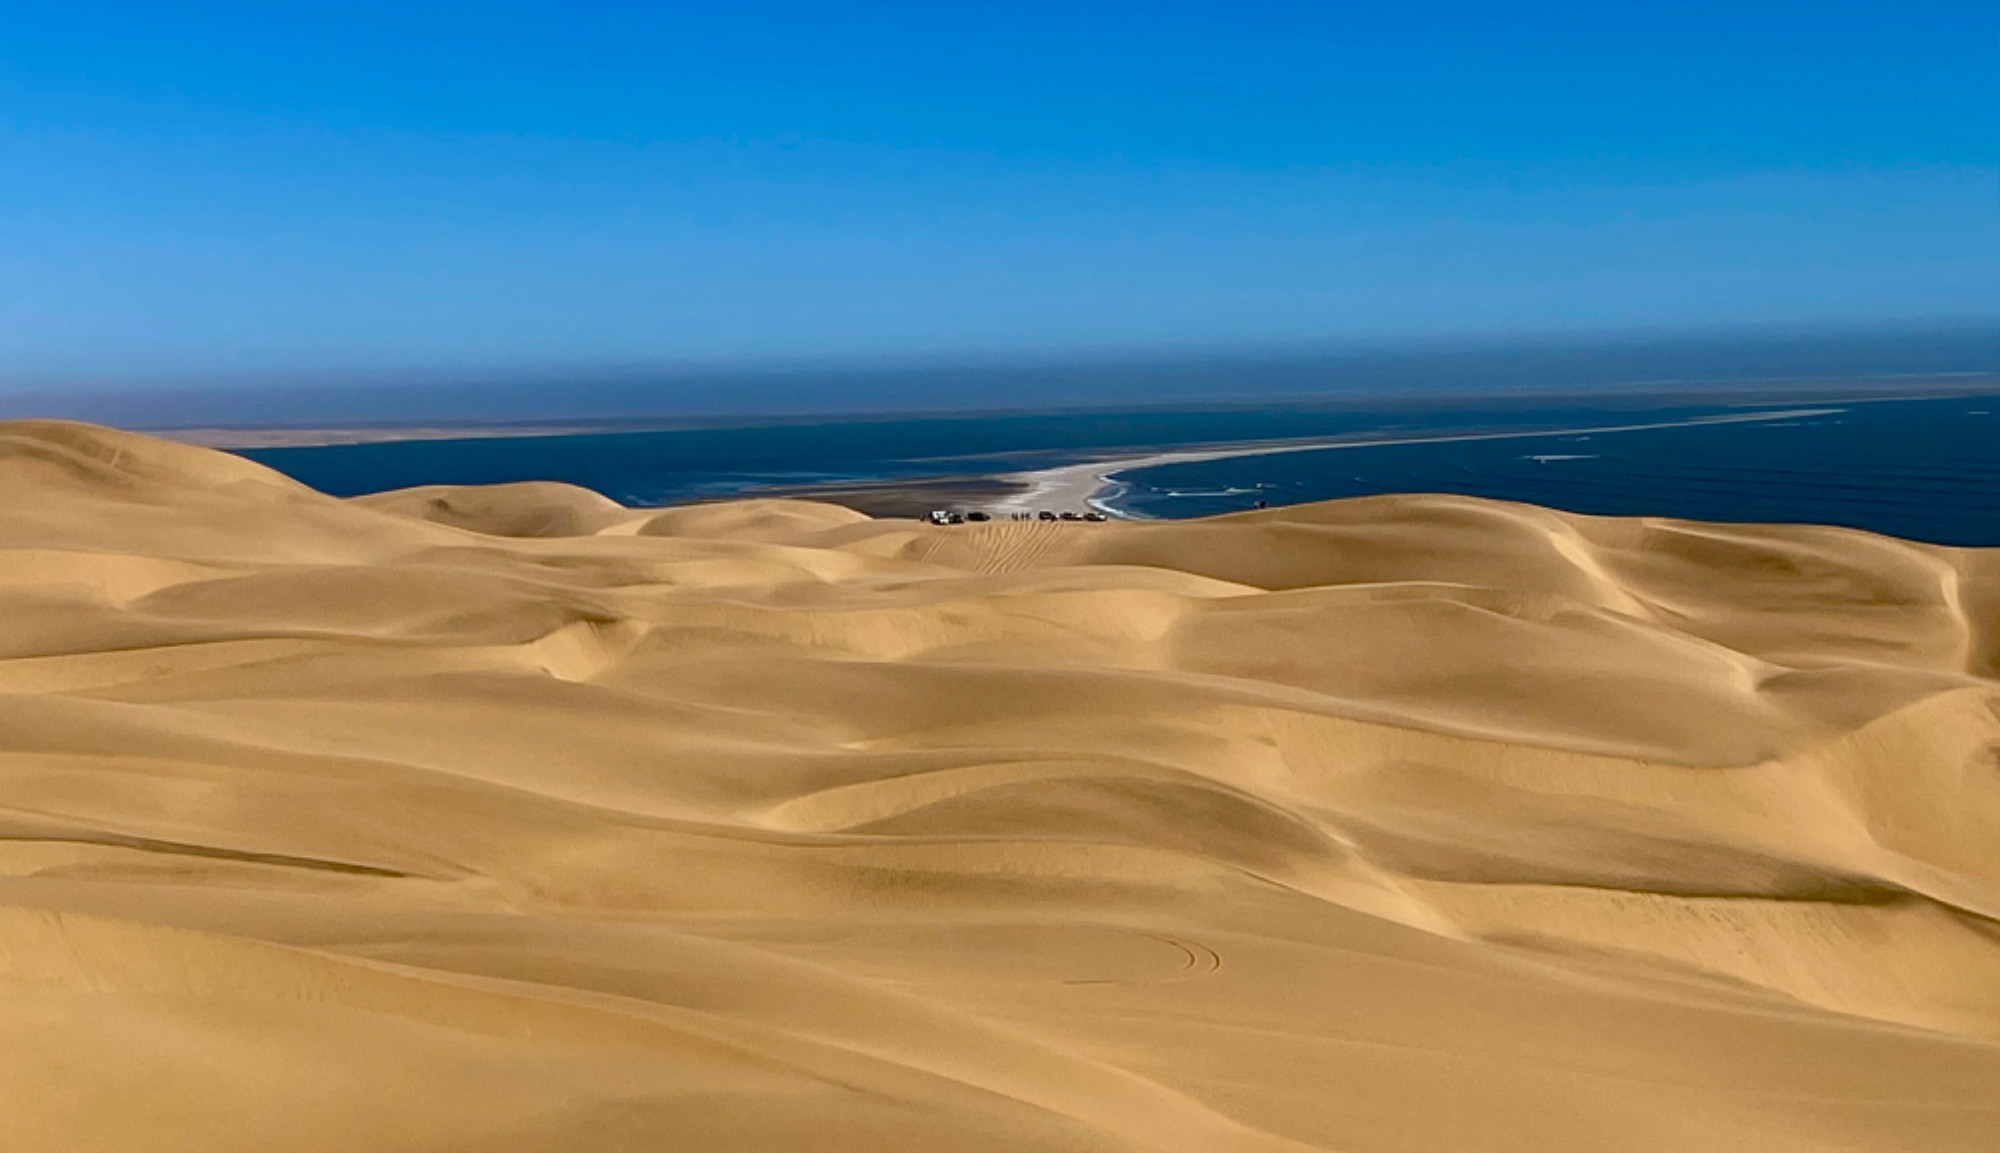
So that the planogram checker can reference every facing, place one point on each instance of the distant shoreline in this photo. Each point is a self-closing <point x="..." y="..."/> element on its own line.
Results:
<point x="1768" y="392"/>
<point x="239" y="438"/>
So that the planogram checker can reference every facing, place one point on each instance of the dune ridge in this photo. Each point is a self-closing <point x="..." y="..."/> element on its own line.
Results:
<point x="512" y="819"/>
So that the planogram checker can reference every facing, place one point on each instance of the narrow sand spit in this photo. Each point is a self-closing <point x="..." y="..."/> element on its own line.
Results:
<point x="1075" y="486"/>
<point x="511" y="819"/>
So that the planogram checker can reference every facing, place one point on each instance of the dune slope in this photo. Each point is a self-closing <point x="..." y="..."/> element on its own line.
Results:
<point x="512" y="820"/>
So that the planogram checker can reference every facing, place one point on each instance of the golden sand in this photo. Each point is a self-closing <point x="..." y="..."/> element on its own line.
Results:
<point x="511" y="819"/>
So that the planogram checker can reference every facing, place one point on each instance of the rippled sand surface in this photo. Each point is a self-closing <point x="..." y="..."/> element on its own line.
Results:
<point x="510" y="819"/>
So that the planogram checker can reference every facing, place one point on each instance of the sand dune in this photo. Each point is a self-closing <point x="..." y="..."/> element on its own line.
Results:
<point x="509" y="819"/>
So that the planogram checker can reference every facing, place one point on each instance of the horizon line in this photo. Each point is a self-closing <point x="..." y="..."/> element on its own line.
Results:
<point x="666" y="369"/>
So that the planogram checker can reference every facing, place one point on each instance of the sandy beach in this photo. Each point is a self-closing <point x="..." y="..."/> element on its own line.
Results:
<point x="509" y="819"/>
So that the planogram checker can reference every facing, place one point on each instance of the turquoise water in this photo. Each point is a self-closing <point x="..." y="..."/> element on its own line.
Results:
<point x="1928" y="469"/>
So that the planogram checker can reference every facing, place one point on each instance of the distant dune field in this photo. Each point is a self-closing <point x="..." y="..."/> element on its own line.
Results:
<point x="509" y="819"/>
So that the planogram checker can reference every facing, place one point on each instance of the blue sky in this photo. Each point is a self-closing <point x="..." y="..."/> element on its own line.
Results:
<point x="275" y="188"/>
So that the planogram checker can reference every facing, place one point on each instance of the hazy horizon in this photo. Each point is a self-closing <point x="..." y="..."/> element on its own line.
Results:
<point x="1769" y="359"/>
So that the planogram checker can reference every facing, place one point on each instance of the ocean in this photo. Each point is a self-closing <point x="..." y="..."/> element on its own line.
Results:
<point x="1921" y="468"/>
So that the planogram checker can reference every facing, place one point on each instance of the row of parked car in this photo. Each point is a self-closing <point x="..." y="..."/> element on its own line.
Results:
<point x="947" y="516"/>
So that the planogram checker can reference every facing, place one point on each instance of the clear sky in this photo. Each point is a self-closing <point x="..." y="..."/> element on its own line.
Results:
<point x="277" y="187"/>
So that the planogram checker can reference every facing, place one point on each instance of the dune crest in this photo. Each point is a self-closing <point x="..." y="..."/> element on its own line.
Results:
<point x="511" y="819"/>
